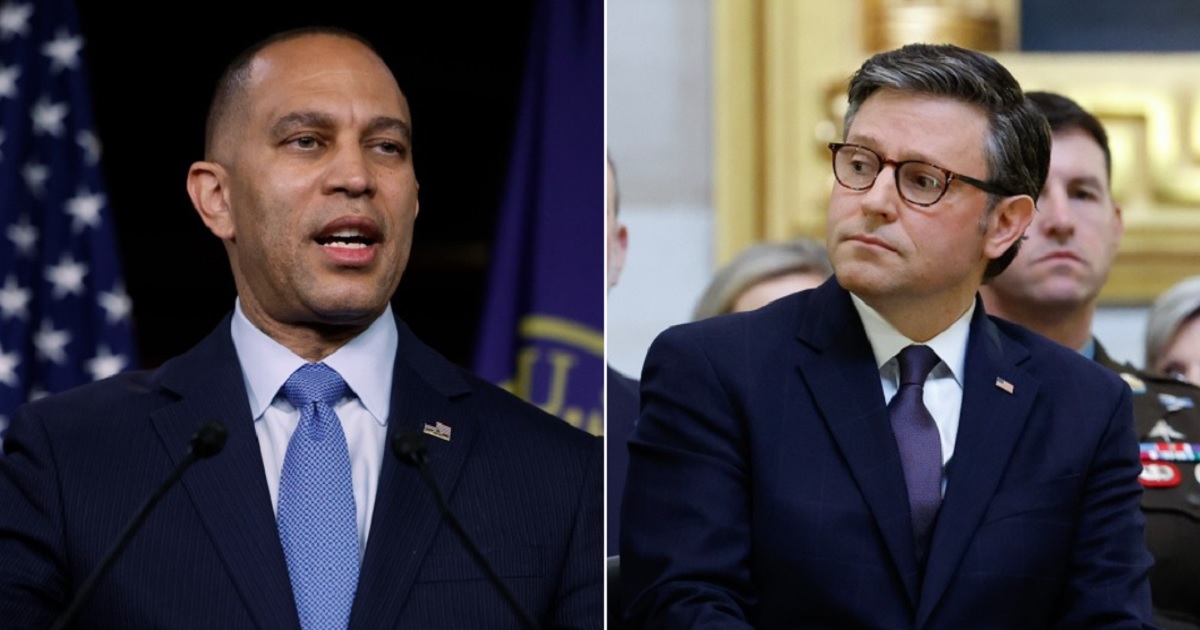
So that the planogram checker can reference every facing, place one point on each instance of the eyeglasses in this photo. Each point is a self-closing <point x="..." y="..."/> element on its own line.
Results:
<point x="922" y="184"/>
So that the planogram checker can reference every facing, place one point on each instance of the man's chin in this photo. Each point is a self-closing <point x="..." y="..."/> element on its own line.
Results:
<point x="1056" y="296"/>
<point x="349" y="314"/>
<point x="347" y="309"/>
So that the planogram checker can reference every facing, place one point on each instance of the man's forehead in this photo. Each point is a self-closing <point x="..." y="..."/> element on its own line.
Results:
<point x="919" y="126"/>
<point x="317" y="59"/>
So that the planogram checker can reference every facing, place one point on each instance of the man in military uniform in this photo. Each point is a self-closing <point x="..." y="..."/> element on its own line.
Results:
<point x="1052" y="288"/>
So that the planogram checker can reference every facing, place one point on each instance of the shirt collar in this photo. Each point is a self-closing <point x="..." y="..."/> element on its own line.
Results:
<point x="1089" y="349"/>
<point x="886" y="342"/>
<point x="365" y="363"/>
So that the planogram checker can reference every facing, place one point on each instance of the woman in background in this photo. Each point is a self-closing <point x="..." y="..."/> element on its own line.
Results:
<point x="762" y="273"/>
<point x="1173" y="332"/>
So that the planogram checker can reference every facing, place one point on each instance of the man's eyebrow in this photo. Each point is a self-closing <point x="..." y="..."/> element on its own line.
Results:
<point x="294" y="120"/>
<point x="387" y="123"/>
<point x="1087" y="180"/>
<point x="318" y="120"/>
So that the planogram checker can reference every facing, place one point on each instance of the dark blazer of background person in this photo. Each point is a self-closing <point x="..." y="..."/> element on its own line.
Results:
<point x="209" y="556"/>
<point x="780" y="410"/>
<point x="621" y="413"/>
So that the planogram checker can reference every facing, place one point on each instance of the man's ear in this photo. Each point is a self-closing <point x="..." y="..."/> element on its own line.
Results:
<point x="208" y="186"/>
<point x="1007" y="223"/>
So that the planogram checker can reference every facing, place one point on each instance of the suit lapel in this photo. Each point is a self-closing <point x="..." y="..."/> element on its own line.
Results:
<point x="230" y="490"/>
<point x="407" y="517"/>
<point x="839" y="367"/>
<point x="993" y="417"/>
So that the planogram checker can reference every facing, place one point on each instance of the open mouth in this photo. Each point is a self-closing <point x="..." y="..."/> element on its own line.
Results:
<point x="349" y="239"/>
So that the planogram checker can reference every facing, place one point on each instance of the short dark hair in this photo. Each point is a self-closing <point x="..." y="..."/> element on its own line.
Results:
<point x="1064" y="114"/>
<point x="1018" y="145"/>
<point x="231" y="86"/>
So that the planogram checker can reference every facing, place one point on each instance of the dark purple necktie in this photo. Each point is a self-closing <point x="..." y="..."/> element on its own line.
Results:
<point x="919" y="442"/>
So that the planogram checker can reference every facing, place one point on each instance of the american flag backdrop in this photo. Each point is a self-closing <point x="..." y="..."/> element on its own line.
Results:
<point x="64" y="312"/>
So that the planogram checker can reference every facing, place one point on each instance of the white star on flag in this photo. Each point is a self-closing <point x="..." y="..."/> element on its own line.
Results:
<point x="63" y="51"/>
<point x="14" y="301"/>
<point x="63" y="307"/>
<point x="8" y="367"/>
<point x="116" y="304"/>
<point x="51" y="344"/>
<point x="48" y="117"/>
<point x="24" y="236"/>
<point x="67" y="277"/>
<point x="8" y="81"/>
<point x="85" y="209"/>
<point x="14" y="19"/>
<point x="90" y="145"/>
<point x="35" y="176"/>
<point x="105" y="364"/>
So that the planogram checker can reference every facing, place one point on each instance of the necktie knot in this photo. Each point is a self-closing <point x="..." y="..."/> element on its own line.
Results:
<point x="916" y="362"/>
<point x="314" y="382"/>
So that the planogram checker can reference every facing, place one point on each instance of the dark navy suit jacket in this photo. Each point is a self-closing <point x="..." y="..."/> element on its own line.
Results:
<point x="526" y="485"/>
<point x="620" y="416"/>
<point x="765" y="488"/>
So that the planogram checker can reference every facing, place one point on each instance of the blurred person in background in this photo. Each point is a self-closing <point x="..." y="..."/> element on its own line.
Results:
<point x="1173" y="332"/>
<point x="621" y="395"/>
<point x="763" y="273"/>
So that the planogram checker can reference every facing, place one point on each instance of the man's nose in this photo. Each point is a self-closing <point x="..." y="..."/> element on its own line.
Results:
<point x="1054" y="213"/>
<point x="883" y="197"/>
<point x="350" y="173"/>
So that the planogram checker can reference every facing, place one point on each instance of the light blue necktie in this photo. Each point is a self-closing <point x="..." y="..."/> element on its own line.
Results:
<point x="318" y="523"/>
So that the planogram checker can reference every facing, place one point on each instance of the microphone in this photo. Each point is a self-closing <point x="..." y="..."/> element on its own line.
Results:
<point x="409" y="446"/>
<point x="208" y="440"/>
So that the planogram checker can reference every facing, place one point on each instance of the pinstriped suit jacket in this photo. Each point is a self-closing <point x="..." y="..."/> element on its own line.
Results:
<point x="526" y="485"/>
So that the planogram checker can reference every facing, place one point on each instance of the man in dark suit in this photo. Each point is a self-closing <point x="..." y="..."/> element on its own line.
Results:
<point x="308" y="180"/>
<point x="878" y="452"/>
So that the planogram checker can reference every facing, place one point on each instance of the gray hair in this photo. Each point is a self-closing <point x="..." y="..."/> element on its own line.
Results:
<point x="1018" y="144"/>
<point x="763" y="261"/>
<point x="1174" y="308"/>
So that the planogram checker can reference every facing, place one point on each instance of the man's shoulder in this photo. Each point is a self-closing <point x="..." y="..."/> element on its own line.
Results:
<point x="520" y="417"/>
<point x="116" y="392"/>
<point x="1053" y="361"/>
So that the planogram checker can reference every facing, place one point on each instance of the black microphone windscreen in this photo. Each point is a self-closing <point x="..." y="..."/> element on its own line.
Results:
<point x="209" y="439"/>
<point x="409" y="446"/>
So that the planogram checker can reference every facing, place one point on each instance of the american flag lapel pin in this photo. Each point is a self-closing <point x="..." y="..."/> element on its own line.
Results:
<point x="438" y="430"/>
<point x="1004" y="385"/>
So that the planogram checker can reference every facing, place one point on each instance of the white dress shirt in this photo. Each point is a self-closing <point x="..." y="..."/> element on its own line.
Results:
<point x="943" y="390"/>
<point x="365" y="363"/>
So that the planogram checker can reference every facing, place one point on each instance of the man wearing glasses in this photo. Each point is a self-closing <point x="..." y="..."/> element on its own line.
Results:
<point x="878" y="452"/>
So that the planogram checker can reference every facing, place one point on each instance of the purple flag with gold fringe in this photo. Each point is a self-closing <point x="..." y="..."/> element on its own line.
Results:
<point x="542" y="335"/>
